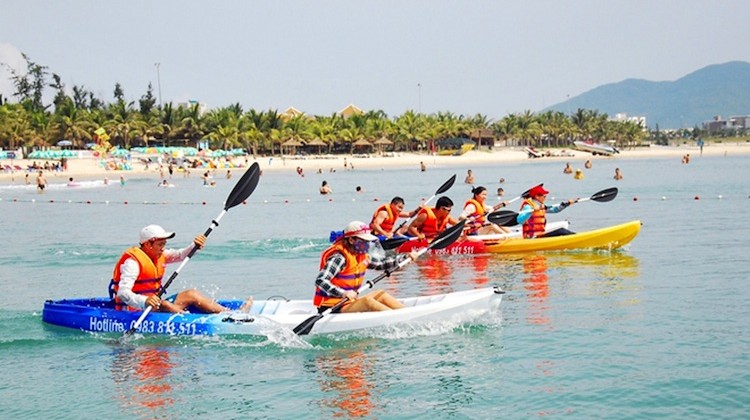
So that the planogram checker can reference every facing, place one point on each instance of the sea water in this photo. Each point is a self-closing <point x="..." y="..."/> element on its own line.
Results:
<point x="657" y="329"/>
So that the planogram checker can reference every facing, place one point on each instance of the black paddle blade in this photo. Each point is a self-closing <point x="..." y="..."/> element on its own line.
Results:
<point x="244" y="187"/>
<point x="448" y="236"/>
<point x="447" y="185"/>
<point x="503" y="218"/>
<point x="393" y="243"/>
<point x="605" y="195"/>
<point x="306" y="326"/>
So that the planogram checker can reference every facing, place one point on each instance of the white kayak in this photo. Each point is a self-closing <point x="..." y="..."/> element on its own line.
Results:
<point x="516" y="232"/>
<point x="99" y="315"/>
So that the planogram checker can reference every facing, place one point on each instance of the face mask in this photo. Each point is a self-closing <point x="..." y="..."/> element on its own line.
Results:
<point x="361" y="247"/>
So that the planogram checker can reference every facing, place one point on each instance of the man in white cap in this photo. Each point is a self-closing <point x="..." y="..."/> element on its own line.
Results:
<point x="342" y="271"/>
<point x="137" y="276"/>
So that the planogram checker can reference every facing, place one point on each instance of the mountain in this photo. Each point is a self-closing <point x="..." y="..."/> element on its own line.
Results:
<point x="720" y="89"/>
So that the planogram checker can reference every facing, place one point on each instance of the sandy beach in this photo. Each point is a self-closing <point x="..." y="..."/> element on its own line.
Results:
<point x="88" y="168"/>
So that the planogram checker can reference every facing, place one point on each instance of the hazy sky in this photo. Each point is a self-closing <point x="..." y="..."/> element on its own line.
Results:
<point x="466" y="57"/>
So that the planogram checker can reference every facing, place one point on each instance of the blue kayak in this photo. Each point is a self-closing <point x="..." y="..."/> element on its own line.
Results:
<point x="99" y="315"/>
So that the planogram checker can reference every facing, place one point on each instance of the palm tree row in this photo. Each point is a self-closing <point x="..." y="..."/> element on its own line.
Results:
<point x="266" y="131"/>
<point x="31" y="124"/>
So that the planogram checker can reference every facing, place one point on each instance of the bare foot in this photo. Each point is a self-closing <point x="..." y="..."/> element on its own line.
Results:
<point x="247" y="305"/>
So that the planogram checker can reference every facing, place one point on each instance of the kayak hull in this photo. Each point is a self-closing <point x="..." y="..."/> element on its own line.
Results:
<point x="609" y="238"/>
<point x="476" y="244"/>
<point x="98" y="315"/>
<point x="606" y="238"/>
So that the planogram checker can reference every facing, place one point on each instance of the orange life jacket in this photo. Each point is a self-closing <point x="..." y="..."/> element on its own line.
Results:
<point x="349" y="278"/>
<point x="432" y="227"/>
<point x="387" y="224"/>
<point x="535" y="225"/>
<point x="149" y="277"/>
<point x="477" y="217"/>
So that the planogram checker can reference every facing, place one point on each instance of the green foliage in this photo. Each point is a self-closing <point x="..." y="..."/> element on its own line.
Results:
<point x="76" y="116"/>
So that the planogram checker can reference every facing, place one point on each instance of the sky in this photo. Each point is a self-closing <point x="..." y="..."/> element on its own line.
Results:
<point x="465" y="57"/>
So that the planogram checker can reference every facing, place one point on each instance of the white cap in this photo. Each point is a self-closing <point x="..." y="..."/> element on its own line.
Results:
<point x="360" y="230"/>
<point x="155" y="232"/>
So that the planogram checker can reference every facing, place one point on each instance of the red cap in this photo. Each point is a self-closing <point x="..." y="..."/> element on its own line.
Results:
<point x="538" y="190"/>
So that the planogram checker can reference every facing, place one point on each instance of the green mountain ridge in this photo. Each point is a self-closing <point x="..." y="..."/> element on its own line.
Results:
<point x="719" y="89"/>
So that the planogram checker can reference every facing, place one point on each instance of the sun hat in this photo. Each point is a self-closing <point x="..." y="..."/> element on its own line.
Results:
<point x="155" y="232"/>
<point x="360" y="230"/>
<point x="538" y="190"/>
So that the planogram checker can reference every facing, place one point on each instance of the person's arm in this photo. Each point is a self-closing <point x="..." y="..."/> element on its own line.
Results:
<point x="413" y="229"/>
<point x="524" y="214"/>
<point x="333" y="266"/>
<point x="129" y="271"/>
<point x="177" y="255"/>
<point x="560" y="207"/>
<point x="468" y="211"/>
<point x="407" y="214"/>
<point x="379" y="219"/>
<point x="387" y="263"/>
<point x="500" y="205"/>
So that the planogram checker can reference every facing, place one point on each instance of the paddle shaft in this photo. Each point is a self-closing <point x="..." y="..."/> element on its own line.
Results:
<point x="524" y="195"/>
<point x="244" y="187"/>
<point x="443" y="188"/>
<point x="510" y="218"/>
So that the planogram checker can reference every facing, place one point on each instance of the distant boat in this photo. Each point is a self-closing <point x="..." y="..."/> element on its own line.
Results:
<point x="533" y="153"/>
<point x="595" y="148"/>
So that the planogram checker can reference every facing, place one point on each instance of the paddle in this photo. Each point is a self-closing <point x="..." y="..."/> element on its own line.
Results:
<point x="393" y="243"/>
<point x="244" y="187"/>
<point x="443" y="188"/>
<point x="525" y="193"/>
<point x="602" y="196"/>
<point x="508" y="217"/>
<point x="446" y="238"/>
<point x="503" y="218"/>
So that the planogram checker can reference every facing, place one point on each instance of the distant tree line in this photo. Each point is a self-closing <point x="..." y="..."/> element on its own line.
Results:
<point x="30" y="123"/>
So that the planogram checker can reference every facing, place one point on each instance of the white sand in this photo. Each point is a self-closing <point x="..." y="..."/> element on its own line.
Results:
<point x="90" y="168"/>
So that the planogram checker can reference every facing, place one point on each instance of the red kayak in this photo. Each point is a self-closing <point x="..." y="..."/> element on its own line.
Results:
<point x="476" y="244"/>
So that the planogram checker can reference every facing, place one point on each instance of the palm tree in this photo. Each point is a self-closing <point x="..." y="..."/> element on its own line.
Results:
<point x="529" y="129"/>
<point x="15" y="125"/>
<point x="72" y="123"/>
<point x="410" y="130"/>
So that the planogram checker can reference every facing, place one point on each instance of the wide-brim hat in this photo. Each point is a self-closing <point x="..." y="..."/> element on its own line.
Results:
<point x="360" y="230"/>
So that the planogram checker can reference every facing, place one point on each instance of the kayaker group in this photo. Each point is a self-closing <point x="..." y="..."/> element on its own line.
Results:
<point x="137" y="276"/>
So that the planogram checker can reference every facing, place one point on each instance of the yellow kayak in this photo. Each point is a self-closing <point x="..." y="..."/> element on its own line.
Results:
<point x="608" y="238"/>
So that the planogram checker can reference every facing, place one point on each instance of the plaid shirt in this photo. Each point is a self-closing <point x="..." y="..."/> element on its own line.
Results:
<point x="335" y="264"/>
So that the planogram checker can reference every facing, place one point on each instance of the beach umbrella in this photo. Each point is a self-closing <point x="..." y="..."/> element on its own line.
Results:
<point x="64" y="143"/>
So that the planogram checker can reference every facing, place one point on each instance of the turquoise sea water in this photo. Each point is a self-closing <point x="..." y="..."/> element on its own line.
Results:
<point x="658" y="329"/>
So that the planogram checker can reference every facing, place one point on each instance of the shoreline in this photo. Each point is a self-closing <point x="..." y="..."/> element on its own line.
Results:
<point x="89" y="168"/>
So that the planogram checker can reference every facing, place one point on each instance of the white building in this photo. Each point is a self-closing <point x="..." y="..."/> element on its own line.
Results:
<point x="621" y="117"/>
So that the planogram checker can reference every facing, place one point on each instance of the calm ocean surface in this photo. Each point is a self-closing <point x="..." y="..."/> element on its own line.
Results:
<point x="658" y="329"/>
